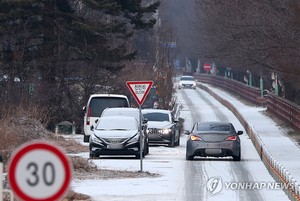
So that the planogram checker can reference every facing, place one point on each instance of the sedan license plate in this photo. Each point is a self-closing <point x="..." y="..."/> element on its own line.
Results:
<point x="115" y="146"/>
<point x="213" y="151"/>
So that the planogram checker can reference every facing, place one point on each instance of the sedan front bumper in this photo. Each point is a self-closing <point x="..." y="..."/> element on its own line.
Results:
<point x="159" y="138"/>
<point x="115" y="148"/>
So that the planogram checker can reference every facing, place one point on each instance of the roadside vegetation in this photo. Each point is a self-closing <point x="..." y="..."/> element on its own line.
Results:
<point x="55" y="54"/>
<point x="260" y="37"/>
<point x="18" y="126"/>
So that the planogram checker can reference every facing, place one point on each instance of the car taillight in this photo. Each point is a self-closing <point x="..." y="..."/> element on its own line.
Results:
<point x="231" y="138"/>
<point x="88" y="116"/>
<point x="195" y="138"/>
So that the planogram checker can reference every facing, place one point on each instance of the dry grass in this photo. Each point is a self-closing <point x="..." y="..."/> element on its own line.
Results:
<point x="70" y="146"/>
<point x="18" y="126"/>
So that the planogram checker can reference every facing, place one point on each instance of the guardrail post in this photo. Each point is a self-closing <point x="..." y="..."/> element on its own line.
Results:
<point x="261" y="86"/>
<point x="73" y="128"/>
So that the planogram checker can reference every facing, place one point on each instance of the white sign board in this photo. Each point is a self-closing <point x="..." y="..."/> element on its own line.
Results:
<point x="139" y="90"/>
<point x="39" y="171"/>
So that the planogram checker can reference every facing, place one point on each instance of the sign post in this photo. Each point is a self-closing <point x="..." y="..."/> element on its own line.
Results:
<point x="39" y="171"/>
<point x="140" y="90"/>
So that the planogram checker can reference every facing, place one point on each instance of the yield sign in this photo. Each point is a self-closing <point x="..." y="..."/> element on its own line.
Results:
<point x="139" y="89"/>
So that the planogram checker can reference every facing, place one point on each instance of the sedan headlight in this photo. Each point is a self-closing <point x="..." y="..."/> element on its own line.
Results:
<point x="134" y="139"/>
<point x="95" y="139"/>
<point x="165" y="131"/>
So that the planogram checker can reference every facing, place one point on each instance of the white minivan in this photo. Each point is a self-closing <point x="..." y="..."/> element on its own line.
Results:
<point x="95" y="106"/>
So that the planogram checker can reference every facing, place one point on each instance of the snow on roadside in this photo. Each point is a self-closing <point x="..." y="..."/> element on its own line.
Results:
<point x="283" y="149"/>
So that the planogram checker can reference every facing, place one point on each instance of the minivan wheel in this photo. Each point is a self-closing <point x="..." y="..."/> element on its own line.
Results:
<point x="86" y="138"/>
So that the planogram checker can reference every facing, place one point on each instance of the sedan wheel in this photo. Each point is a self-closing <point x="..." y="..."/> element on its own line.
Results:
<point x="189" y="158"/>
<point x="172" y="143"/>
<point x="178" y="142"/>
<point x="237" y="158"/>
<point x="147" y="149"/>
<point x="138" y="156"/>
<point x="92" y="155"/>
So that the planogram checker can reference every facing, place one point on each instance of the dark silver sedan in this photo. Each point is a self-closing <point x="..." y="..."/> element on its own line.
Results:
<point x="163" y="128"/>
<point x="216" y="139"/>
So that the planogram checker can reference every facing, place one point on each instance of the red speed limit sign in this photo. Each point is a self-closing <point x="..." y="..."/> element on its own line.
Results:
<point x="39" y="171"/>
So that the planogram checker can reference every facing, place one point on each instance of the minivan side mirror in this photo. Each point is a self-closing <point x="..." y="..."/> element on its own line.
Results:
<point x="84" y="108"/>
<point x="240" y="132"/>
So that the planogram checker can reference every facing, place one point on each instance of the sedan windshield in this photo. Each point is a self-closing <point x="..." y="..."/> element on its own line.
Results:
<point x="119" y="124"/>
<point x="155" y="116"/>
<point x="213" y="127"/>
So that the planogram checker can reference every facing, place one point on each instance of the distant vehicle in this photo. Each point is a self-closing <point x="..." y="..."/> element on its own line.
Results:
<point x="131" y="112"/>
<point x="187" y="81"/>
<point x="162" y="127"/>
<point x="95" y="106"/>
<point x="216" y="139"/>
<point x="116" y="135"/>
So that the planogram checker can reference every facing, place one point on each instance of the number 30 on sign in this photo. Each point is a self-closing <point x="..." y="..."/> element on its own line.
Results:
<point x="39" y="171"/>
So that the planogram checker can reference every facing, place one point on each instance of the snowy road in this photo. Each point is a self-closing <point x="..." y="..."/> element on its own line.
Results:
<point x="200" y="106"/>
<point x="186" y="180"/>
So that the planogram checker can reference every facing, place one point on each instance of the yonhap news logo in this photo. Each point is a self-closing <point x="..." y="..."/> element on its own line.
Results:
<point x="214" y="185"/>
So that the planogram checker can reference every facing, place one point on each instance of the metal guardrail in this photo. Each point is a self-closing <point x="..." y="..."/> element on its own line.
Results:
<point x="276" y="170"/>
<point x="282" y="108"/>
<point x="285" y="109"/>
<point x="250" y="93"/>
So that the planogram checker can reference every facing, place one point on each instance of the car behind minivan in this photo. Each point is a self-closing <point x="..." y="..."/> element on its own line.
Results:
<point x="95" y="106"/>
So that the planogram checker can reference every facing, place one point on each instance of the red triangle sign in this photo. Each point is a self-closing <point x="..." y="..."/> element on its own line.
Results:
<point x="139" y="90"/>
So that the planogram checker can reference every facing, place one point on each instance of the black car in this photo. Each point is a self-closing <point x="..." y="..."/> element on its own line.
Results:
<point x="217" y="139"/>
<point x="163" y="128"/>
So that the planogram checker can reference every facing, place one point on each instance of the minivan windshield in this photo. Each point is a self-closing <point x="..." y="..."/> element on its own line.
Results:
<point x="98" y="104"/>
